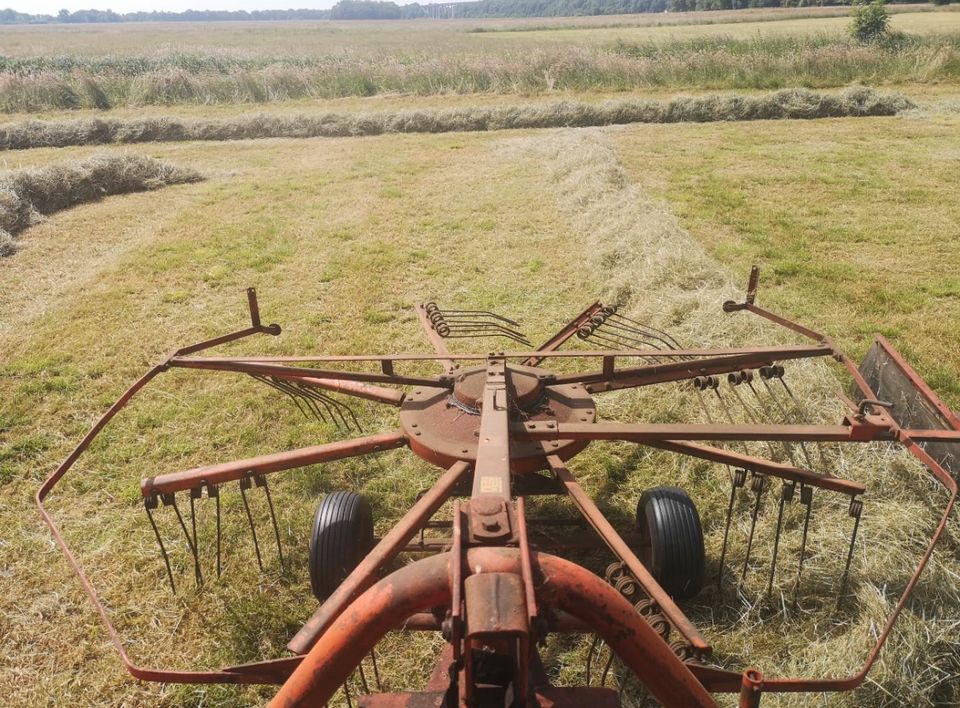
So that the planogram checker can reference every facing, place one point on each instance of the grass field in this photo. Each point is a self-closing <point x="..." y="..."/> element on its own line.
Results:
<point x="853" y="221"/>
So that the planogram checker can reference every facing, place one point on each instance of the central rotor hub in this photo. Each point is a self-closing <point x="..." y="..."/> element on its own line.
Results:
<point x="526" y="387"/>
<point x="443" y="425"/>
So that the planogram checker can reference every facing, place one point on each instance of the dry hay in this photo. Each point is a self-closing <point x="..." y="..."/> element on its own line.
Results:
<point x="26" y="196"/>
<point x="786" y="104"/>
<point x="637" y="248"/>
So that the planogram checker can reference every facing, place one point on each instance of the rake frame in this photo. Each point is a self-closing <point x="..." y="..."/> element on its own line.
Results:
<point x="531" y="593"/>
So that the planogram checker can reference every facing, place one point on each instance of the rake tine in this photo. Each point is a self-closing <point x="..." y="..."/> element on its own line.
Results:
<point x="150" y="503"/>
<point x="363" y="679"/>
<point x="856" y="511"/>
<point x="606" y="670"/>
<point x="214" y="491"/>
<point x="738" y="480"/>
<point x="261" y="481"/>
<point x="787" y="447"/>
<point x="751" y="417"/>
<point x="171" y="500"/>
<point x="786" y="418"/>
<point x="806" y="498"/>
<point x="804" y="416"/>
<point x="758" y="484"/>
<point x="786" y="494"/>
<point x="275" y="384"/>
<point x="339" y="406"/>
<point x="376" y="671"/>
<point x="664" y="337"/>
<point x="593" y="648"/>
<point x="315" y="397"/>
<point x="346" y="691"/>
<point x="195" y="494"/>
<point x="244" y="486"/>
<point x="295" y="393"/>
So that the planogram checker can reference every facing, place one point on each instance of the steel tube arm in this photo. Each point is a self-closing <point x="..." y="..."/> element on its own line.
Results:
<point x="262" y="369"/>
<point x="660" y="432"/>
<point x="275" y="462"/>
<point x="611" y="378"/>
<point x="622" y="551"/>
<point x="756" y="464"/>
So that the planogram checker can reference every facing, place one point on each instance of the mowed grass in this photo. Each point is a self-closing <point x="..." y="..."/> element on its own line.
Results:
<point x="853" y="223"/>
<point x="341" y="237"/>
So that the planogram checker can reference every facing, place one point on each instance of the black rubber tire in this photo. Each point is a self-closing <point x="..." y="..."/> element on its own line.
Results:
<point x="671" y="540"/>
<point x="342" y="535"/>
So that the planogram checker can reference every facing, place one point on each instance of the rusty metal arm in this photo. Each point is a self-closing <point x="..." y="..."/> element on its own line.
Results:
<point x="612" y="378"/>
<point x="756" y="464"/>
<point x="275" y="462"/>
<point x="365" y="574"/>
<point x="568" y="331"/>
<point x="256" y="327"/>
<point x="621" y="550"/>
<point x="357" y="389"/>
<point x="661" y="432"/>
<point x="244" y="366"/>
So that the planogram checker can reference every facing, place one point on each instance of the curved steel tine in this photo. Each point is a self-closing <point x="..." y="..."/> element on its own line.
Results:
<point x="346" y="691"/>
<point x="323" y="400"/>
<point x="641" y="331"/>
<point x="806" y="498"/>
<point x="474" y="313"/>
<point x="376" y="671"/>
<point x="194" y="495"/>
<point x="738" y="479"/>
<point x="786" y="419"/>
<point x="786" y="494"/>
<point x="758" y="484"/>
<point x="213" y="490"/>
<point x="804" y="417"/>
<point x="593" y="648"/>
<point x="363" y="679"/>
<point x="786" y="445"/>
<point x="291" y="390"/>
<point x="606" y="670"/>
<point x="171" y="500"/>
<point x="244" y="486"/>
<point x="856" y="511"/>
<point x="275" y="384"/>
<point x="261" y="481"/>
<point x="332" y="404"/>
<point x="150" y="503"/>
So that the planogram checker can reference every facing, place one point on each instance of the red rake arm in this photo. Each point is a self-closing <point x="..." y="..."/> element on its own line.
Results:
<point x="275" y="462"/>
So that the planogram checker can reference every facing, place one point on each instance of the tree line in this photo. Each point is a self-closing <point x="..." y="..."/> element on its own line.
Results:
<point x="388" y="10"/>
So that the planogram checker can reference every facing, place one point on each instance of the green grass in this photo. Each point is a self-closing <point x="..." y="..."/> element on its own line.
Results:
<point x="850" y="223"/>
<point x="444" y="59"/>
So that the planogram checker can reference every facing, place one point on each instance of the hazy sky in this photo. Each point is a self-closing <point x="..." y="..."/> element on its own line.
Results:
<point x="52" y="7"/>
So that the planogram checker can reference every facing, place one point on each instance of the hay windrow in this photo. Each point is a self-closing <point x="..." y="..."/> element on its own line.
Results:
<point x="644" y="257"/>
<point x="777" y="105"/>
<point x="27" y="196"/>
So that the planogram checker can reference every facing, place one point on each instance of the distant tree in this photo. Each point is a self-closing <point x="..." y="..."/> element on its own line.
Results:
<point x="869" y="21"/>
<point x="941" y="2"/>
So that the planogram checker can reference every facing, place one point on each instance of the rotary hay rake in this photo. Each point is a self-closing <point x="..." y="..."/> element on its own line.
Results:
<point x="503" y="427"/>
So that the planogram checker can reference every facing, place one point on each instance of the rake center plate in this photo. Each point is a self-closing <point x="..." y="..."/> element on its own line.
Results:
<point x="443" y="427"/>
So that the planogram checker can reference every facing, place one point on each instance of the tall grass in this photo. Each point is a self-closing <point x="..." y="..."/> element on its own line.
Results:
<point x="786" y="104"/>
<point x="26" y="196"/>
<point x="48" y="83"/>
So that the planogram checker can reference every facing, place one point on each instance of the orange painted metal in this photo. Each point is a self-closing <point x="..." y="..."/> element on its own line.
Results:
<point x="425" y="584"/>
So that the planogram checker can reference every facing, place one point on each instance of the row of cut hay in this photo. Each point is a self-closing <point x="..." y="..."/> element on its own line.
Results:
<point x="26" y="196"/>
<point x="642" y="256"/>
<point x="39" y="84"/>
<point x="787" y="104"/>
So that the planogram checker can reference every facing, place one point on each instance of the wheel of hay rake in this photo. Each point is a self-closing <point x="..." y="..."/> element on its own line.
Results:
<point x="671" y="540"/>
<point x="342" y="535"/>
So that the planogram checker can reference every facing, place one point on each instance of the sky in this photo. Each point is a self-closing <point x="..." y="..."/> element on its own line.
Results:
<point x="52" y="7"/>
